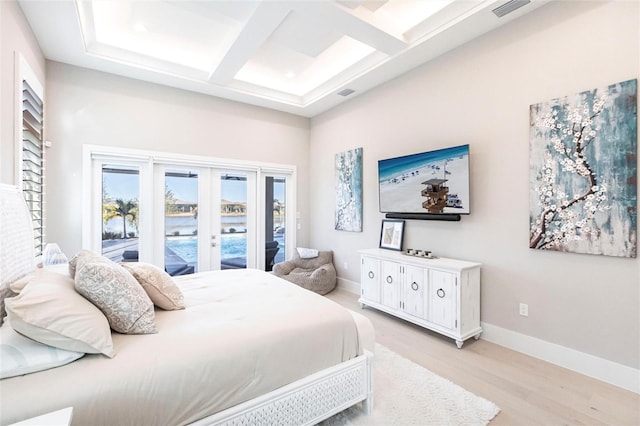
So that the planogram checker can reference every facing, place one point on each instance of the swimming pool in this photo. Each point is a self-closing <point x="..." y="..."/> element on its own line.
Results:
<point x="232" y="245"/>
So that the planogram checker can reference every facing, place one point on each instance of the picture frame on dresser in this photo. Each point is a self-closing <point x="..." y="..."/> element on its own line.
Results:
<point x="392" y="234"/>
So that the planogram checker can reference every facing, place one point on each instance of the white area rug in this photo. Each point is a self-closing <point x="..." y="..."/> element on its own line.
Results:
<point x="405" y="394"/>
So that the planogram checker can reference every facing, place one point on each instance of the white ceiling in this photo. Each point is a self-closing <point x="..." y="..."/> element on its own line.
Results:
<point x="292" y="56"/>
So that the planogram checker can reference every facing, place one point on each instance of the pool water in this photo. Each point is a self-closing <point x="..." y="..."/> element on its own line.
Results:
<point x="232" y="245"/>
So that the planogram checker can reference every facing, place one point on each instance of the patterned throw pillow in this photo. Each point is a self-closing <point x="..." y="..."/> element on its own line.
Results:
<point x="159" y="285"/>
<point x="83" y="256"/>
<point x="49" y="310"/>
<point x="118" y="295"/>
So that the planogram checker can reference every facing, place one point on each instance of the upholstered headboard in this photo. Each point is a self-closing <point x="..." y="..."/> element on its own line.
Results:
<point x="17" y="254"/>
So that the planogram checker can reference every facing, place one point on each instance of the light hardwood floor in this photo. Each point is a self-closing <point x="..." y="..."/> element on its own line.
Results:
<point x="527" y="390"/>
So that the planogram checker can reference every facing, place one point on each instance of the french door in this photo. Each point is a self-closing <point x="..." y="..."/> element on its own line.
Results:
<point x="209" y="218"/>
<point x="189" y="216"/>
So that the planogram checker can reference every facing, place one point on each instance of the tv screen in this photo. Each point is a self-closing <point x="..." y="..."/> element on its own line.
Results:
<point x="435" y="182"/>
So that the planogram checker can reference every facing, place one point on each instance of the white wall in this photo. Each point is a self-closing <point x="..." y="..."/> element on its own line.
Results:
<point x="480" y="94"/>
<point x="15" y="37"/>
<point x="89" y="107"/>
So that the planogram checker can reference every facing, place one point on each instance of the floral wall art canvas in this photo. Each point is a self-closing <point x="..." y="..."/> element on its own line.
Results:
<point x="348" y="186"/>
<point x="583" y="172"/>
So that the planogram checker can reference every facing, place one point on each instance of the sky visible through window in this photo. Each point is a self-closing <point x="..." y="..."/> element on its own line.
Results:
<point x="119" y="185"/>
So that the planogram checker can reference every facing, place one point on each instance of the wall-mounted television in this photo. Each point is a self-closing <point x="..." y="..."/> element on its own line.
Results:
<point x="431" y="183"/>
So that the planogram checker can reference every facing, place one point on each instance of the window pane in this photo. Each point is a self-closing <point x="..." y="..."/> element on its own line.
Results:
<point x="120" y="212"/>
<point x="233" y="218"/>
<point x="181" y="222"/>
<point x="276" y="219"/>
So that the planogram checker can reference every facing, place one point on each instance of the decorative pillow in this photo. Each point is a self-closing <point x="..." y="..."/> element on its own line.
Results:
<point x="159" y="285"/>
<point x="82" y="256"/>
<point x="307" y="253"/>
<point x="18" y="285"/>
<point x="21" y="355"/>
<point x="50" y="311"/>
<point x="118" y="295"/>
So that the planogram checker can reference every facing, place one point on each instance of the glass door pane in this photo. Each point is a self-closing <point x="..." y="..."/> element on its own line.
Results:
<point x="233" y="221"/>
<point x="181" y="222"/>
<point x="120" y="212"/>
<point x="275" y="220"/>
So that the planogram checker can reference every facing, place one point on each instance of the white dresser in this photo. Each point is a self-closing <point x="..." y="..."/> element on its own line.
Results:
<point x="440" y="294"/>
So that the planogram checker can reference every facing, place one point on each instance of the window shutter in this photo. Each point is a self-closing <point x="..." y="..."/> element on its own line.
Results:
<point x="33" y="161"/>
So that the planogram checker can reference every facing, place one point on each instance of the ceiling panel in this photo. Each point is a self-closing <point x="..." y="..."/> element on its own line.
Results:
<point x="293" y="56"/>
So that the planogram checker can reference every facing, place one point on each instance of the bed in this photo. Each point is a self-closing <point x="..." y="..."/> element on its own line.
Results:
<point x="249" y="348"/>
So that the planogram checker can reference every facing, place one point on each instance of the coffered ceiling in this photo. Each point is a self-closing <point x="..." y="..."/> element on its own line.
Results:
<point x="302" y="57"/>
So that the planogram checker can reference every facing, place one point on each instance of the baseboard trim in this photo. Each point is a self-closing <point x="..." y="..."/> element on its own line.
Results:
<point x="607" y="371"/>
<point x="348" y="285"/>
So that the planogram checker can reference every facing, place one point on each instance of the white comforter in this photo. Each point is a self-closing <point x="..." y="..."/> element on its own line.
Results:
<point x="244" y="333"/>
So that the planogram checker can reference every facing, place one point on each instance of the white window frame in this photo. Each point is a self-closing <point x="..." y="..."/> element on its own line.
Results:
<point x="290" y="212"/>
<point x="152" y="161"/>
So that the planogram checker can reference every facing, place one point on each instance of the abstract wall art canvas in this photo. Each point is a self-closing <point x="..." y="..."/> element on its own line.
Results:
<point x="348" y="186"/>
<point x="583" y="172"/>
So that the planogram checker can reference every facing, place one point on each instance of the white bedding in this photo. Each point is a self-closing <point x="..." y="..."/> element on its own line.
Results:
<point x="243" y="333"/>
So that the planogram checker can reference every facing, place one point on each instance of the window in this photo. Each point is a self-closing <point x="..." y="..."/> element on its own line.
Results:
<point x="32" y="163"/>
<point x="275" y="219"/>
<point x="180" y="221"/>
<point x="187" y="213"/>
<point x="120" y="211"/>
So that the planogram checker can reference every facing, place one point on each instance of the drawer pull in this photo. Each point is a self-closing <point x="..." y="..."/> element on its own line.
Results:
<point x="371" y="274"/>
<point x="440" y="293"/>
<point x="389" y="279"/>
<point x="414" y="286"/>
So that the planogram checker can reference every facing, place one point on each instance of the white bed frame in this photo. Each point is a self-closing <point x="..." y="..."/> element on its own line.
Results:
<point x="304" y="402"/>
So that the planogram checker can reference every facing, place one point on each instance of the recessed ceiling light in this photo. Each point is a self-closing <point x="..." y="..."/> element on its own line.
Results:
<point x="140" y="27"/>
<point x="289" y="74"/>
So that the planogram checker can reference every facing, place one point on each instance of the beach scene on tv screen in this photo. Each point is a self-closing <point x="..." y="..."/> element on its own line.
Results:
<point x="431" y="182"/>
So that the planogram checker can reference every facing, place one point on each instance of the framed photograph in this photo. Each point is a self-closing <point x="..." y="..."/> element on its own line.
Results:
<point x="391" y="234"/>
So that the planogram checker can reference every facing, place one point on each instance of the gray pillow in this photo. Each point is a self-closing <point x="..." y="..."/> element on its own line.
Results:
<point x="118" y="295"/>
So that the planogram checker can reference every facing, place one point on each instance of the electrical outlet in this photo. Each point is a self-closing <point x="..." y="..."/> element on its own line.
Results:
<point x="346" y="265"/>
<point x="524" y="309"/>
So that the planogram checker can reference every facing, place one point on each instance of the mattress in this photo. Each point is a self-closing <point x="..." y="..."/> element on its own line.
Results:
<point x="244" y="333"/>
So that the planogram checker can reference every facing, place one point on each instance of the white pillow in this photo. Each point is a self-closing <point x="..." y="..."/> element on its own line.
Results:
<point x="307" y="253"/>
<point x="21" y="355"/>
<point x="50" y="311"/>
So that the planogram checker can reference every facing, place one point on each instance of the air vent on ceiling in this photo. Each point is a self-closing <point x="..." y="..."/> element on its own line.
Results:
<point x="345" y="92"/>
<point x="509" y="7"/>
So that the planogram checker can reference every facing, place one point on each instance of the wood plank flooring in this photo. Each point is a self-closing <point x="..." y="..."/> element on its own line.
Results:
<point x="527" y="390"/>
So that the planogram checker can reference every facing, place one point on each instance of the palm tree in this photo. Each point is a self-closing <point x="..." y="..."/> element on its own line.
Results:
<point x="169" y="201"/>
<point x="125" y="210"/>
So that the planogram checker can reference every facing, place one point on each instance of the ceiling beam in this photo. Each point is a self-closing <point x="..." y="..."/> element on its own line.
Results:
<point x="263" y="22"/>
<point x="354" y="25"/>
